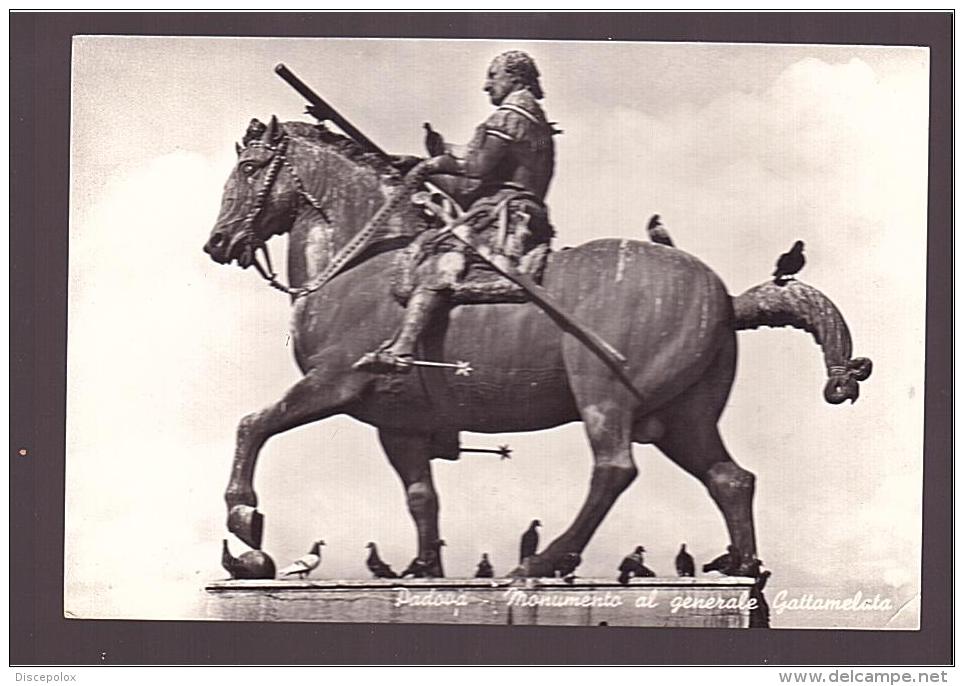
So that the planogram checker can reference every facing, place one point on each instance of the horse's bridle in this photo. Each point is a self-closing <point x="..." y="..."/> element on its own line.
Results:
<point x="246" y="232"/>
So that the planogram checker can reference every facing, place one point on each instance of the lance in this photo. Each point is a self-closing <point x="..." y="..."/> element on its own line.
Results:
<point x="323" y="112"/>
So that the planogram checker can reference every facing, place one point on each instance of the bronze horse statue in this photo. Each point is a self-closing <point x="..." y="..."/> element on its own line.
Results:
<point x="664" y="309"/>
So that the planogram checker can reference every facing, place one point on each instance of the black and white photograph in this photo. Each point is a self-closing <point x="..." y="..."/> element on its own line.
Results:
<point x="438" y="331"/>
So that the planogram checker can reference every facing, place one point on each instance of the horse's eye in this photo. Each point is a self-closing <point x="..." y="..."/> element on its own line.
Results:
<point x="248" y="168"/>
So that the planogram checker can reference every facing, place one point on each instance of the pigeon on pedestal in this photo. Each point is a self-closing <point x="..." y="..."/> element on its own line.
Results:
<point x="484" y="570"/>
<point x="378" y="567"/>
<point x="530" y="541"/>
<point x="305" y="564"/>
<point x="632" y="565"/>
<point x="685" y="566"/>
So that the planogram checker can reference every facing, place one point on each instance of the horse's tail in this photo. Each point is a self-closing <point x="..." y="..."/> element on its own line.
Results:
<point x="804" y="307"/>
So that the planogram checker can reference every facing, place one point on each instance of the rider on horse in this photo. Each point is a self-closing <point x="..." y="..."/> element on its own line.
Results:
<point x="501" y="178"/>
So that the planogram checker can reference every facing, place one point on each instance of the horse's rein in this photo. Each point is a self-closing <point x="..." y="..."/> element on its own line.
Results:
<point x="266" y="270"/>
<point x="348" y="252"/>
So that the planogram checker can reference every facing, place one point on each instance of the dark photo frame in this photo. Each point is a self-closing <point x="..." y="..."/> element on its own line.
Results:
<point x="40" y="86"/>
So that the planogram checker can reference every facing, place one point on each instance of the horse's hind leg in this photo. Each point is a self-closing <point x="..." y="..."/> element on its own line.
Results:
<point x="698" y="449"/>
<point x="314" y="397"/>
<point x="608" y="425"/>
<point x="693" y="441"/>
<point x="409" y="454"/>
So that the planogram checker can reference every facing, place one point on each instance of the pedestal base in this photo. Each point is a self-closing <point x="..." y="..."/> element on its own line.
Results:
<point x="653" y="602"/>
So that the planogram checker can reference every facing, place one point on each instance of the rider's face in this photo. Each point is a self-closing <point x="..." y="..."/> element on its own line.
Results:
<point x="498" y="83"/>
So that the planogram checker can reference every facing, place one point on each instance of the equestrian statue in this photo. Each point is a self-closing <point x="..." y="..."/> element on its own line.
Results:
<point x="426" y="302"/>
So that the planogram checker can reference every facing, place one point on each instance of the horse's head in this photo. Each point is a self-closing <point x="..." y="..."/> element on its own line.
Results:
<point x="259" y="201"/>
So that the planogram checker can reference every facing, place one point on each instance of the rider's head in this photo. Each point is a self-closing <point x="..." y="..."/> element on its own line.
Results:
<point x="509" y="72"/>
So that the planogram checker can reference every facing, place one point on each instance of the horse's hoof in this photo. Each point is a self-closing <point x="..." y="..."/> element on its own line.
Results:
<point x="254" y="564"/>
<point x="246" y="523"/>
<point x="535" y="566"/>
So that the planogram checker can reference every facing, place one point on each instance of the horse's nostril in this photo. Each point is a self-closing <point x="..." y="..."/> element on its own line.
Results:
<point x="216" y="240"/>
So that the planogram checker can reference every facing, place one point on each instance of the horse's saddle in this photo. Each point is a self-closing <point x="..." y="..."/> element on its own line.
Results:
<point x="507" y="231"/>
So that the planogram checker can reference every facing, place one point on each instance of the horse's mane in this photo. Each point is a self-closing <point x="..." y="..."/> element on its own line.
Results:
<point x="345" y="147"/>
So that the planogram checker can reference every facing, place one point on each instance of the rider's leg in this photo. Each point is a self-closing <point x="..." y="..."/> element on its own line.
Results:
<point x="429" y="296"/>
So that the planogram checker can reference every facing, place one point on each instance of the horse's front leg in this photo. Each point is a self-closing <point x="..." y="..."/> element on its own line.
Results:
<point x="409" y="454"/>
<point x="318" y="395"/>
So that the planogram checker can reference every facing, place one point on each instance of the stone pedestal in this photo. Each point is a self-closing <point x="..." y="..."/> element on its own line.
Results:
<point x="683" y="602"/>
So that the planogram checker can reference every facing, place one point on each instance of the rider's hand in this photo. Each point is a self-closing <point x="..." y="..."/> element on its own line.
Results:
<point x="404" y="163"/>
<point x="443" y="164"/>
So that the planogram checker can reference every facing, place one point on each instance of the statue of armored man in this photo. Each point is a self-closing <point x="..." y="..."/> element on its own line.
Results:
<point x="499" y="182"/>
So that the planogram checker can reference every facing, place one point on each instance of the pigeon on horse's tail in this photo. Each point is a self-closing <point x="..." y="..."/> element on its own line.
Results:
<point x="789" y="263"/>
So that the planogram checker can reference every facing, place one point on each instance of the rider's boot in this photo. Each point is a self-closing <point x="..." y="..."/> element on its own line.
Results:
<point x="397" y="355"/>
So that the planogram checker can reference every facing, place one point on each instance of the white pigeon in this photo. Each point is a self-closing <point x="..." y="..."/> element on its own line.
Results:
<point x="305" y="564"/>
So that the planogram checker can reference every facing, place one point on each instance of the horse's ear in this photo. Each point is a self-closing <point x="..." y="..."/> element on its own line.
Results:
<point x="237" y="148"/>
<point x="274" y="130"/>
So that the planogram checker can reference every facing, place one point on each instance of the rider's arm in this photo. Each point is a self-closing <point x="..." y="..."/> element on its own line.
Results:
<point x="479" y="162"/>
<point x="491" y="144"/>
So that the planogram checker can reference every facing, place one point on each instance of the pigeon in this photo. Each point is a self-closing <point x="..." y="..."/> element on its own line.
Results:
<point x="530" y="541"/>
<point x="760" y="613"/>
<point x="305" y="564"/>
<point x="789" y="263"/>
<point x="684" y="562"/>
<point x="484" y="570"/>
<point x="253" y="564"/>
<point x="632" y="565"/>
<point x="761" y="581"/>
<point x="378" y="567"/>
<point x="434" y="142"/>
<point x="657" y="232"/>
<point x="725" y="563"/>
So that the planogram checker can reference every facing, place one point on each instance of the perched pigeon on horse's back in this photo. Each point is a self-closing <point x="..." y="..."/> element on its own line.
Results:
<point x="657" y="232"/>
<point x="378" y="567"/>
<point x="530" y="541"/>
<point x="305" y="564"/>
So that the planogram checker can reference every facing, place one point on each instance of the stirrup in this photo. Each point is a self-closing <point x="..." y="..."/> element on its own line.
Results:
<point x="383" y="362"/>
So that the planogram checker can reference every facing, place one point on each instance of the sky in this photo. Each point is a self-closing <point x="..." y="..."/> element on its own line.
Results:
<point x="741" y="148"/>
